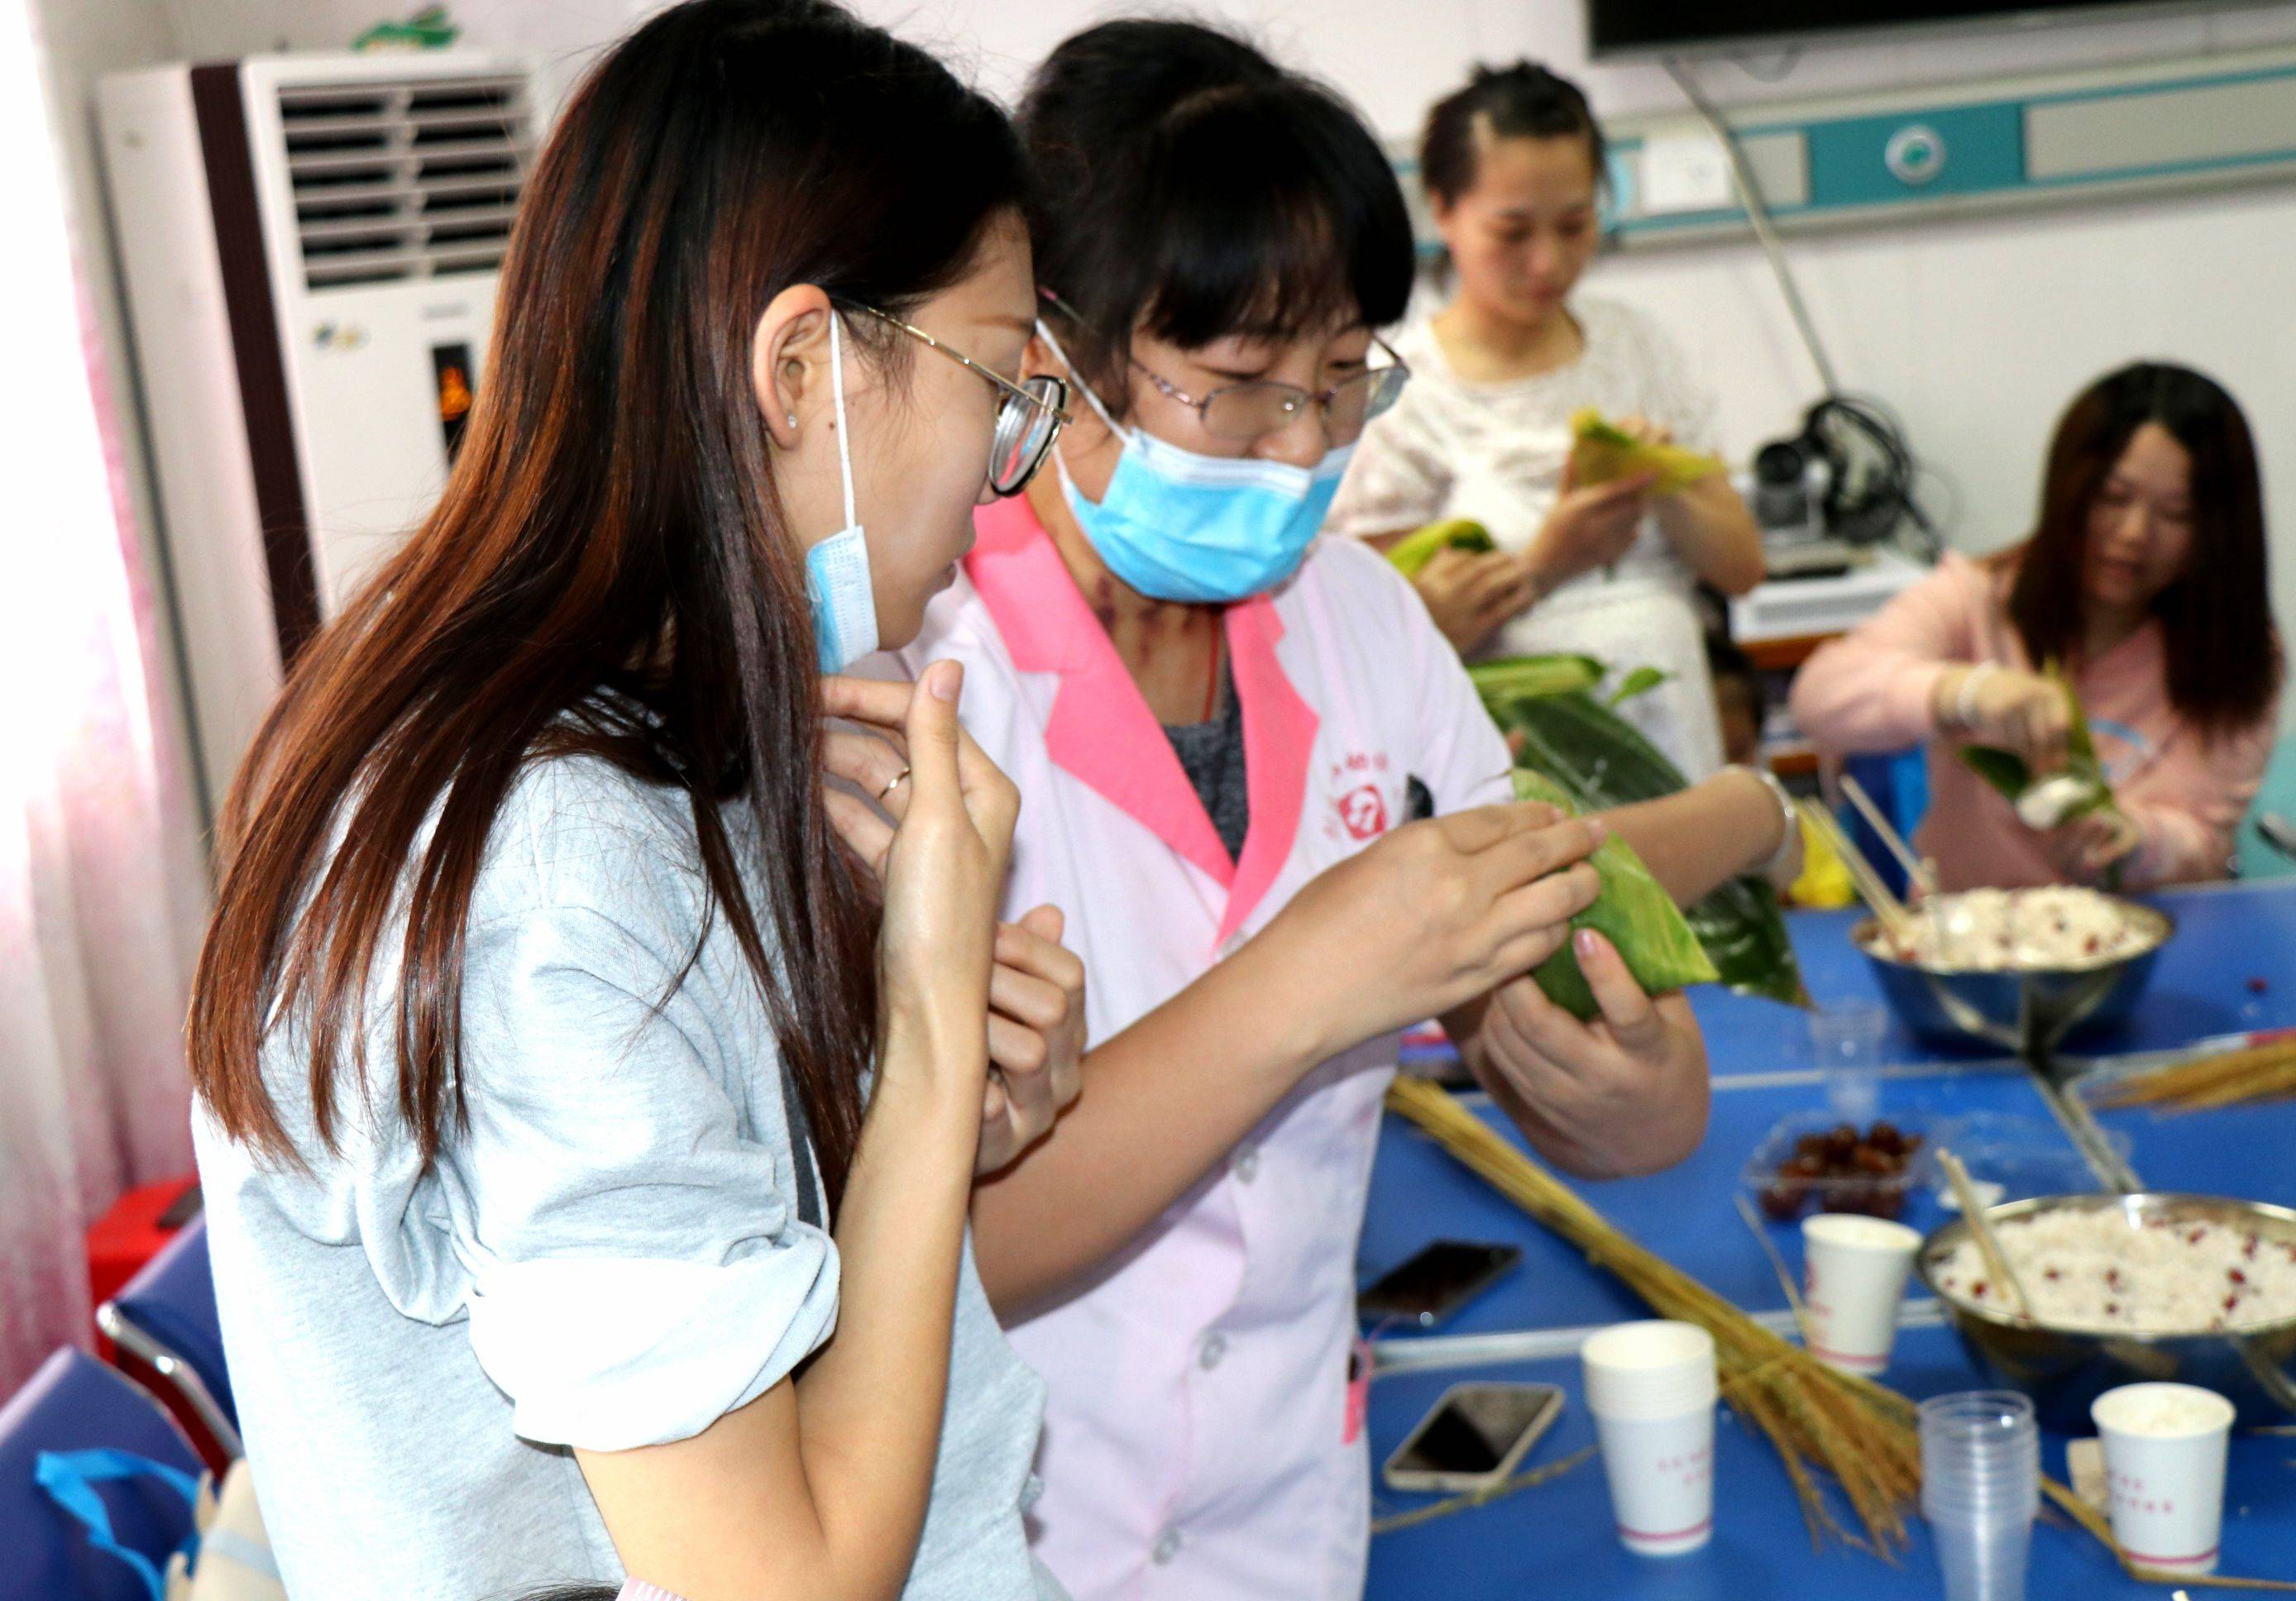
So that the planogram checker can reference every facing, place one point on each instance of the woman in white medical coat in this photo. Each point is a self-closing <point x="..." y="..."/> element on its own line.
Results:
<point x="1222" y="730"/>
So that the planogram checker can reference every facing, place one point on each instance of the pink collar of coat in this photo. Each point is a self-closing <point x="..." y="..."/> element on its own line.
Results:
<point x="1101" y="729"/>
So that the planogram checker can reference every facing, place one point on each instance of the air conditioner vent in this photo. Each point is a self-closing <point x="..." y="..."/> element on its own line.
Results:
<point x="413" y="179"/>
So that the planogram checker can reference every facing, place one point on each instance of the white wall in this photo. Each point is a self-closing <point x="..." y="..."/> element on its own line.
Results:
<point x="1975" y="332"/>
<point x="83" y="39"/>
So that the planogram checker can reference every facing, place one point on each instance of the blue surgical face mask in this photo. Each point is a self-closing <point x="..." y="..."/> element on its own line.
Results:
<point x="836" y="570"/>
<point x="1178" y="526"/>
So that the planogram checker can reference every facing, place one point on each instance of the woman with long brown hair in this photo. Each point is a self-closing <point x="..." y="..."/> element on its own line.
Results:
<point x="532" y="1032"/>
<point x="2145" y="583"/>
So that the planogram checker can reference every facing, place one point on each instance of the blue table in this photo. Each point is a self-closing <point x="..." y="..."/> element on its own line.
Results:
<point x="2227" y="934"/>
<point x="1419" y="1194"/>
<point x="2247" y="1152"/>
<point x="1558" y="1540"/>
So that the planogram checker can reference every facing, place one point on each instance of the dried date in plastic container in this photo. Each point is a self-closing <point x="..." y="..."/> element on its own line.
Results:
<point x="1814" y="1162"/>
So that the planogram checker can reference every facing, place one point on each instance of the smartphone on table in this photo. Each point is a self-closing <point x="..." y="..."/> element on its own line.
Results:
<point x="1477" y="1435"/>
<point x="1436" y="1282"/>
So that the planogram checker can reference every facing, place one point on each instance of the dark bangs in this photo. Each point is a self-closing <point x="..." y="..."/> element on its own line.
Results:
<point x="1273" y="215"/>
<point x="1186" y="186"/>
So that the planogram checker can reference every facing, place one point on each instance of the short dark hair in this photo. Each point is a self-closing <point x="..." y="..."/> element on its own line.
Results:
<point x="1184" y="185"/>
<point x="2224" y="655"/>
<point x="1521" y="100"/>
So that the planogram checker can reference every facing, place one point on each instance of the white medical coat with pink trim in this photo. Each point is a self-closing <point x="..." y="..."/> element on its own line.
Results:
<point x="1198" y="1443"/>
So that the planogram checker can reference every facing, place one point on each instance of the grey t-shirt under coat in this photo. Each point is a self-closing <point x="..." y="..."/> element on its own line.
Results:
<point x="611" y="1254"/>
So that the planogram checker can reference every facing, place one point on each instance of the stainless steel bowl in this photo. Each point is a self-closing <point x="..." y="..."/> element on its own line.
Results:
<point x="2028" y="1012"/>
<point x="2064" y="1369"/>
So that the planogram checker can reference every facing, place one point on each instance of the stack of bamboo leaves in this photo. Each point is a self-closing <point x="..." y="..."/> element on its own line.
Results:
<point x="2229" y="1078"/>
<point x="1824" y="1425"/>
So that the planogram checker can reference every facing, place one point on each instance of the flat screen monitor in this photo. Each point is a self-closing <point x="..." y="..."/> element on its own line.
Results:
<point x="1666" y="27"/>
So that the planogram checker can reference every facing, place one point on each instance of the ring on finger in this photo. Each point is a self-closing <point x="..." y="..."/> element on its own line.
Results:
<point x="898" y="779"/>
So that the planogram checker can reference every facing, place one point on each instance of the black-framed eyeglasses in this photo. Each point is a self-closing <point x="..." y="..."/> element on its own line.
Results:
<point x="1245" y="414"/>
<point x="1029" y="414"/>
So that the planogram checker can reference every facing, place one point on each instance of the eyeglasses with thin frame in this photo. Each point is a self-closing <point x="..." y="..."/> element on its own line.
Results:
<point x="1029" y="414"/>
<point x="1245" y="414"/>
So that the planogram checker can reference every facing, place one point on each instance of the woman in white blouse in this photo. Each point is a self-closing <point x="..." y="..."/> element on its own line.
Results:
<point x="1512" y="164"/>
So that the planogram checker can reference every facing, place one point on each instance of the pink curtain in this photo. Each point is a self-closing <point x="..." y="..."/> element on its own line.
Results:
<point x="100" y="874"/>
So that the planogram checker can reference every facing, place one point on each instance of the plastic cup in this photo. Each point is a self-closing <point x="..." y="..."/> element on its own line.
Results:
<point x="1983" y="1563"/>
<point x="1652" y="1388"/>
<point x="1846" y="1037"/>
<point x="1854" y="1271"/>
<point x="2164" y="1466"/>
<point x="1981" y="1488"/>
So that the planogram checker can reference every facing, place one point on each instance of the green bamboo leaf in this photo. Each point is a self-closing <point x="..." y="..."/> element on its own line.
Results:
<point x="1642" y="681"/>
<point x="1633" y="913"/>
<point x="2004" y="769"/>
<point x="1599" y="760"/>
<point x="1416" y="551"/>
<point x="1513" y="677"/>
<point x="2011" y="775"/>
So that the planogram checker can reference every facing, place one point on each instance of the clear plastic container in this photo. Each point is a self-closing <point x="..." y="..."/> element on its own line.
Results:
<point x="1786" y="1192"/>
<point x="1981" y="1489"/>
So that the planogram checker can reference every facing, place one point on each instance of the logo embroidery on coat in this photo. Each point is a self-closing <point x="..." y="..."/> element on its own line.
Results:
<point x="1355" y="784"/>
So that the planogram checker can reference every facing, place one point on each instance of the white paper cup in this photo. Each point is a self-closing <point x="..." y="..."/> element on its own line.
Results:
<point x="1648" y="1369"/>
<point x="2164" y="1465"/>
<point x="1652" y="1388"/>
<point x="1662" y="1475"/>
<point x="1854" y="1272"/>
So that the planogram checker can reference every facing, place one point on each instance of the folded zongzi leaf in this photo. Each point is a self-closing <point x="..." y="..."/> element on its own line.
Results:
<point x="1416" y="551"/>
<point x="2045" y="801"/>
<point x="1633" y="913"/>
<point x="1601" y="452"/>
<point x="1600" y="761"/>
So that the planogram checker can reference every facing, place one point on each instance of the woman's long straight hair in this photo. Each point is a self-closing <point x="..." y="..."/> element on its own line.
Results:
<point x="2223" y="653"/>
<point x="608" y="571"/>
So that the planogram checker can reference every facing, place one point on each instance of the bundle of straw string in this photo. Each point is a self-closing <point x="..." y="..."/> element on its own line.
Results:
<point x="1862" y="1436"/>
<point x="2231" y="1078"/>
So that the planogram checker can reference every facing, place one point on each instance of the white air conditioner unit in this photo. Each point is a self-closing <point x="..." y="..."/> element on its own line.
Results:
<point x="311" y="246"/>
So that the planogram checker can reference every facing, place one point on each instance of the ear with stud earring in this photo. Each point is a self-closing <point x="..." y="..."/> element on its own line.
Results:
<point x="792" y="418"/>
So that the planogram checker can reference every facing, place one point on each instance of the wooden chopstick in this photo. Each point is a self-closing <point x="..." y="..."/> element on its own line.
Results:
<point x="1982" y="1230"/>
<point x="1778" y="1262"/>
<point x="1870" y="884"/>
<point x="1918" y="872"/>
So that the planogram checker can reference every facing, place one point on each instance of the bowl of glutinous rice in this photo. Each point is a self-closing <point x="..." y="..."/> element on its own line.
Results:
<point x="2017" y="968"/>
<point x="2119" y="1288"/>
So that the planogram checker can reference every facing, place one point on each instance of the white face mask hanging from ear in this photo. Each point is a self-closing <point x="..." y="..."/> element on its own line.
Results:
<point x="837" y="583"/>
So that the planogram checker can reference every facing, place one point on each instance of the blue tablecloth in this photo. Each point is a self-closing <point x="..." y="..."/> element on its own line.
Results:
<point x="1557" y="1539"/>
<point x="2247" y="1152"/>
<point x="2232" y="966"/>
<point x="1419" y="1194"/>
<point x="2227" y="936"/>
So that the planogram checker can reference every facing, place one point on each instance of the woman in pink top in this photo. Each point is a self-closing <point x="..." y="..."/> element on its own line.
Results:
<point x="2146" y="578"/>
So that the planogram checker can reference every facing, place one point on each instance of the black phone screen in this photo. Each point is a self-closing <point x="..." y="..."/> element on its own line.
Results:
<point x="1476" y="1427"/>
<point x="1436" y="1280"/>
